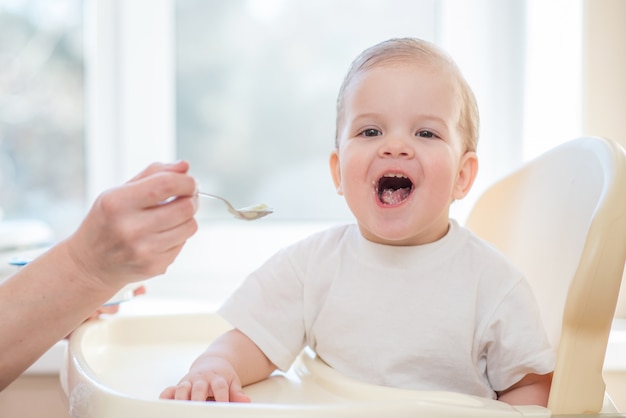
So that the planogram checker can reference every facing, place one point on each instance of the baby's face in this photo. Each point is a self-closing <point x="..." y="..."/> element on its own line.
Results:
<point x="401" y="159"/>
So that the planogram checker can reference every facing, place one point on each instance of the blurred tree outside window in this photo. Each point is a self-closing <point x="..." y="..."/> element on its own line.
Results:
<point x="41" y="112"/>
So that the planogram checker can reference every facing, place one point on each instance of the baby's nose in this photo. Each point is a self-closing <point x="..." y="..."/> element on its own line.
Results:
<point x="395" y="147"/>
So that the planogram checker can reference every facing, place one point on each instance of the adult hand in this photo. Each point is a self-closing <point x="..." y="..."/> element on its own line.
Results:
<point x="131" y="233"/>
<point x="135" y="231"/>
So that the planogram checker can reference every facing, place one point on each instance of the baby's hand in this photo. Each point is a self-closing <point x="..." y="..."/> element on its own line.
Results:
<point x="209" y="379"/>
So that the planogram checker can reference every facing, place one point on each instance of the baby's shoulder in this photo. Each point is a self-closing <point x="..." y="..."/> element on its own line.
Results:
<point x="487" y="259"/>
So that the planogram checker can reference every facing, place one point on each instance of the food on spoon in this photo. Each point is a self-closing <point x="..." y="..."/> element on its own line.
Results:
<point x="261" y="207"/>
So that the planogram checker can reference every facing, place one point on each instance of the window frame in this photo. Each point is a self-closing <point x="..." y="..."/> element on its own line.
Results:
<point x="129" y="87"/>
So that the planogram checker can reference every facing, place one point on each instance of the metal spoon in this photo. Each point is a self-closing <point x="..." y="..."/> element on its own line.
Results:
<point x="248" y="213"/>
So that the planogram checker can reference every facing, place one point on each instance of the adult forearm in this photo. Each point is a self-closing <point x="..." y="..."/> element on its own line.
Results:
<point x="41" y="304"/>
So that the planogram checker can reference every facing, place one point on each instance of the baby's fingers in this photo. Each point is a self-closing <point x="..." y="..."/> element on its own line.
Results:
<point x="200" y="391"/>
<point x="182" y="391"/>
<point x="237" y="394"/>
<point x="220" y="389"/>
<point x="168" y="393"/>
<point x="188" y="391"/>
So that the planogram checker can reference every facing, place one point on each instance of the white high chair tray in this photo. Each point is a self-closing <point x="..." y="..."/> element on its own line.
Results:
<point x="117" y="367"/>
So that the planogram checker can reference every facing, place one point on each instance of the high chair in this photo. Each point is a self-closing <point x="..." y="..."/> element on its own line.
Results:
<point x="561" y="218"/>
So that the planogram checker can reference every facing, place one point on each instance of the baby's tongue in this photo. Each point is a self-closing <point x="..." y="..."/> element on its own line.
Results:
<point x="394" y="196"/>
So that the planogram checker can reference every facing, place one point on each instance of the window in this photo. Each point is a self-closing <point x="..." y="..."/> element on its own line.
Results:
<point x="41" y="112"/>
<point x="256" y="85"/>
<point x="245" y="90"/>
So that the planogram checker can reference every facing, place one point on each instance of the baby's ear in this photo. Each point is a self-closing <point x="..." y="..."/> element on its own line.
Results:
<point x="335" y="171"/>
<point x="468" y="169"/>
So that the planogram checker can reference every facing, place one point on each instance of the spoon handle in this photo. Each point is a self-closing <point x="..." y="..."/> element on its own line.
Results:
<point x="212" y="196"/>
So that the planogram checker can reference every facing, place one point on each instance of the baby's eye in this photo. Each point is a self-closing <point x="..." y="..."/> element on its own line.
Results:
<point x="426" y="134"/>
<point x="371" y="132"/>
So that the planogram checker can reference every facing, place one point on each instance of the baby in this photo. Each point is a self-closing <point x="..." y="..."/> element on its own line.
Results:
<point x="407" y="297"/>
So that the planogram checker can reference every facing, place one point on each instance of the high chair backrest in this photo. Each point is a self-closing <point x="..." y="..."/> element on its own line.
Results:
<point x="562" y="219"/>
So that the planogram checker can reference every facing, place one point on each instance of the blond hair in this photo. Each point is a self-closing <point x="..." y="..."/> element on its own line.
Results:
<point x="418" y="50"/>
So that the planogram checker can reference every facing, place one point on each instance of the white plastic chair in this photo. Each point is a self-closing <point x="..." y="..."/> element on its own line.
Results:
<point x="562" y="219"/>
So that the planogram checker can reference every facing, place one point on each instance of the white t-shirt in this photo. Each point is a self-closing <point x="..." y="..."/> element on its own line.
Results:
<point x="452" y="315"/>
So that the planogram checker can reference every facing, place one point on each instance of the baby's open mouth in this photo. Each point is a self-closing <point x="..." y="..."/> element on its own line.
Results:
<point x="393" y="189"/>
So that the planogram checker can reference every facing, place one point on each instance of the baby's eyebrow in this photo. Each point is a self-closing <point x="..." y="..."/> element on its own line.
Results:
<point x="366" y="115"/>
<point x="432" y="118"/>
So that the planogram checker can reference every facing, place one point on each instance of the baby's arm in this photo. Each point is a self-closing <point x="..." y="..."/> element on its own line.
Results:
<point x="230" y="362"/>
<point x="533" y="389"/>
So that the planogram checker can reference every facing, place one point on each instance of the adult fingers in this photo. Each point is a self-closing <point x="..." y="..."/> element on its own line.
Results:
<point x="178" y="166"/>
<point x="124" y="206"/>
<point x="158" y="189"/>
<point x="159" y="250"/>
<point x="107" y="309"/>
<point x="170" y="215"/>
<point x="141" y="290"/>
